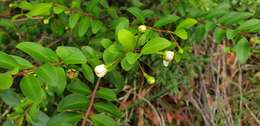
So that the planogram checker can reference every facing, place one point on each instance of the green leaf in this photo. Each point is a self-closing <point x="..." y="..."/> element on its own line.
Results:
<point x="25" y="5"/>
<point x="168" y="19"/>
<point x="79" y="87"/>
<point x="96" y="26"/>
<point x="252" y="25"/>
<point x="187" y="23"/>
<point x="182" y="33"/>
<point x="40" y="9"/>
<point x="123" y="24"/>
<point x="234" y="17"/>
<point x="112" y="53"/>
<point x="200" y="33"/>
<point x="88" y="73"/>
<point x="7" y="23"/>
<point x="7" y="61"/>
<point x="219" y="34"/>
<point x="8" y="123"/>
<point x="6" y="81"/>
<point x="91" y="55"/>
<point x="137" y="13"/>
<point x="155" y="45"/>
<point x="71" y="55"/>
<point x="84" y="24"/>
<point x="73" y="102"/>
<point x="65" y="119"/>
<point x="242" y="50"/>
<point x="35" y="50"/>
<point x="126" y="39"/>
<point x="22" y="63"/>
<point x="230" y="34"/>
<point x="109" y="108"/>
<point x="10" y="97"/>
<point x="73" y="20"/>
<point x="107" y="94"/>
<point x="31" y="88"/>
<point x="106" y="42"/>
<point x="102" y="120"/>
<point x="54" y="77"/>
<point x="52" y="55"/>
<point x="116" y="79"/>
<point x="129" y="61"/>
<point x="57" y="9"/>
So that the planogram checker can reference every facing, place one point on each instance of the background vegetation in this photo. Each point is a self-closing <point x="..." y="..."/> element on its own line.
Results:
<point x="109" y="62"/>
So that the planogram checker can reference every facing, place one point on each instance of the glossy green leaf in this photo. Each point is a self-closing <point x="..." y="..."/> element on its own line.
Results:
<point x="155" y="45"/>
<point x="102" y="120"/>
<point x="40" y="9"/>
<point x="25" y="5"/>
<point x="71" y="55"/>
<point x="106" y="42"/>
<point x="129" y="60"/>
<point x="88" y="73"/>
<point x="168" y="19"/>
<point x="96" y="26"/>
<point x="91" y="55"/>
<point x="117" y="79"/>
<point x="252" y="25"/>
<point x="6" y="23"/>
<point x="65" y="119"/>
<point x="107" y="94"/>
<point x="35" y="50"/>
<point x="200" y="33"/>
<point x="73" y="20"/>
<point x="7" y="61"/>
<point x="83" y="26"/>
<point x="6" y="81"/>
<point x="10" y="97"/>
<point x="123" y="23"/>
<point x="242" y="50"/>
<point x="73" y="102"/>
<point x="219" y="34"/>
<point x="108" y="107"/>
<point x="187" y="23"/>
<point x="126" y="39"/>
<point x="182" y="33"/>
<point x="22" y="63"/>
<point x="137" y="13"/>
<point x="57" y="9"/>
<point x="112" y="53"/>
<point x="31" y="88"/>
<point x="234" y="17"/>
<point x="54" y="77"/>
<point x="77" y="86"/>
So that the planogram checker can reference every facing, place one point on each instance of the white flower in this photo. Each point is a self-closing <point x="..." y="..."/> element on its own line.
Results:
<point x="101" y="70"/>
<point x="168" y="55"/>
<point x="165" y="63"/>
<point x="142" y="28"/>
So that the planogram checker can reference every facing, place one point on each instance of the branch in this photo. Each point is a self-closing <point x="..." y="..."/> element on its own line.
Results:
<point x="93" y="95"/>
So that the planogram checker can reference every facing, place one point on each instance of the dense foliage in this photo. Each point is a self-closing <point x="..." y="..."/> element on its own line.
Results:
<point x="75" y="62"/>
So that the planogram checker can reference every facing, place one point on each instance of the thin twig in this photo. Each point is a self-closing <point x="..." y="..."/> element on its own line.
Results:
<point x="93" y="95"/>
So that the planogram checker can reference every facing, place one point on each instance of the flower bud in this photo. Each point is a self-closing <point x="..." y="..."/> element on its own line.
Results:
<point x="11" y="5"/>
<point x="46" y="21"/>
<point x="142" y="28"/>
<point x="168" y="55"/>
<point x="72" y="73"/>
<point x="149" y="79"/>
<point x="101" y="70"/>
<point x="165" y="63"/>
